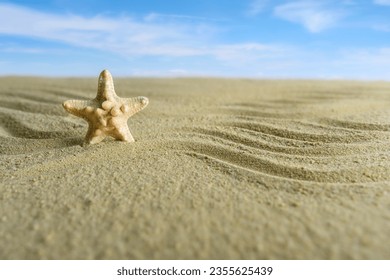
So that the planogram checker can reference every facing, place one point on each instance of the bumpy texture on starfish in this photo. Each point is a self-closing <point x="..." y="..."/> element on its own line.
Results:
<point x="107" y="114"/>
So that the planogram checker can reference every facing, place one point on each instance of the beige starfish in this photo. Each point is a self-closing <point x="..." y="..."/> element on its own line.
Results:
<point x="106" y="114"/>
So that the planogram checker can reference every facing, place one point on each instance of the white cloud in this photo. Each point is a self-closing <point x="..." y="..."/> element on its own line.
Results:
<point x="154" y="35"/>
<point x="157" y="16"/>
<point x="382" y="2"/>
<point x="247" y="53"/>
<point x="368" y="58"/>
<point x="122" y="35"/>
<point x="354" y="63"/>
<point x="14" y="48"/>
<point x="348" y="2"/>
<point x="257" y="6"/>
<point x="178" y="72"/>
<point x="187" y="45"/>
<point x="315" y="16"/>
<point x="382" y="27"/>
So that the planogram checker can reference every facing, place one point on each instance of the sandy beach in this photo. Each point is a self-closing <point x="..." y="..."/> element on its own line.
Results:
<point x="221" y="169"/>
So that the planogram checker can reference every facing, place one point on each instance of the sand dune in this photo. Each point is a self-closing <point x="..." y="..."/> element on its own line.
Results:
<point x="221" y="169"/>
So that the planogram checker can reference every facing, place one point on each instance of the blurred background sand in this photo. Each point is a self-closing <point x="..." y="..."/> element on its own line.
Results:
<point x="221" y="169"/>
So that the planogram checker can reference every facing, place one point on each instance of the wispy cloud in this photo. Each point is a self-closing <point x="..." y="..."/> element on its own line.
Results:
<point x="257" y="6"/>
<point x="382" y="27"/>
<point x="14" y="48"/>
<point x="382" y="2"/>
<point x="177" y="45"/>
<point x="147" y="36"/>
<point x="315" y="16"/>
<point x="151" y="17"/>
<point x="368" y="58"/>
<point x="348" y="2"/>
<point x="123" y="35"/>
<point x="248" y="53"/>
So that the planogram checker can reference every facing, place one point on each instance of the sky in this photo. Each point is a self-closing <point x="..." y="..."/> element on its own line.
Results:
<point x="322" y="39"/>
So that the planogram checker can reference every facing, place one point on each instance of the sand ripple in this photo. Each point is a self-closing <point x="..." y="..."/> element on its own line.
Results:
<point x="300" y="135"/>
<point x="221" y="168"/>
<point x="283" y="140"/>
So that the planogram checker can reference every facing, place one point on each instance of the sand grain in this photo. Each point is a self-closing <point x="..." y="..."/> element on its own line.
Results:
<point x="221" y="168"/>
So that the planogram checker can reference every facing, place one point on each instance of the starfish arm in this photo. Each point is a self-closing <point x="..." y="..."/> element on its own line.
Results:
<point x="133" y="105"/>
<point x="94" y="135"/>
<point x="106" y="89"/>
<point x="78" y="108"/>
<point x="106" y="114"/>
<point x="95" y="139"/>
<point x="120" y="129"/>
<point x="123" y="134"/>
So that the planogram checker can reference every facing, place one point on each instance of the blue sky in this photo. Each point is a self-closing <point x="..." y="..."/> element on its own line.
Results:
<point x="325" y="39"/>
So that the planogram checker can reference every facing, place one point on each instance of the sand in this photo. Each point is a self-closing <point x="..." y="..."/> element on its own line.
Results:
<point x="221" y="169"/>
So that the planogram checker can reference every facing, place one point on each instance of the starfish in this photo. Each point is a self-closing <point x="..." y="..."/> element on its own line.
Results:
<point x="106" y="114"/>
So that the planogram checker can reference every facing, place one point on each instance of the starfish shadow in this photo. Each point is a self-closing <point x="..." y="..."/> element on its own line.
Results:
<point x="16" y="128"/>
<point x="25" y="146"/>
<point x="17" y="138"/>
